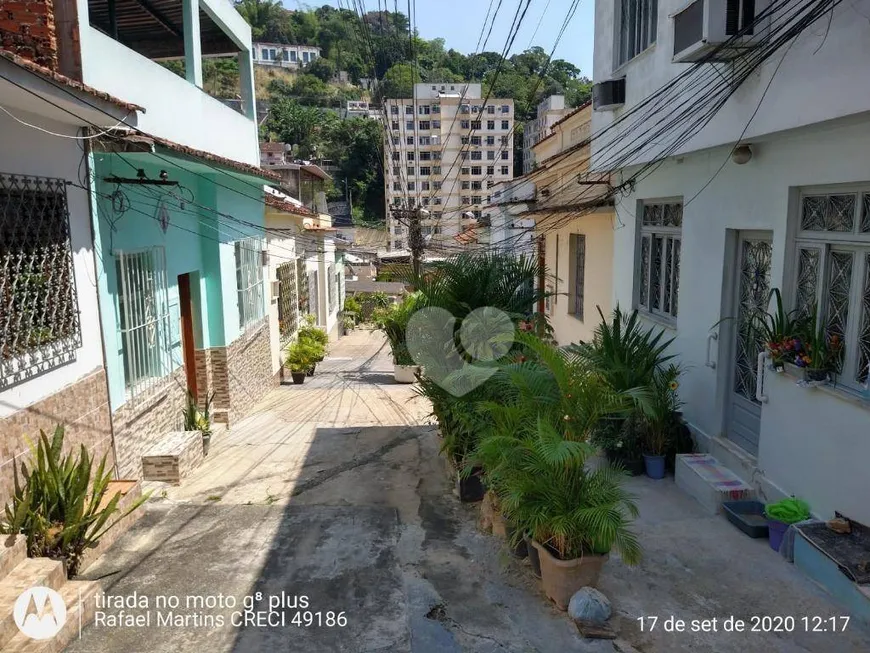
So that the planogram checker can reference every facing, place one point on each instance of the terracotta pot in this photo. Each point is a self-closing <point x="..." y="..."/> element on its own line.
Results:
<point x="562" y="578"/>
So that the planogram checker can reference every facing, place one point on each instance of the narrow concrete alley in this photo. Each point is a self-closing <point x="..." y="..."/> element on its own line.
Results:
<point x="335" y="490"/>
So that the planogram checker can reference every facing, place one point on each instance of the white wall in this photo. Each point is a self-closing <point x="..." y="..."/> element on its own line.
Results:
<point x="27" y="151"/>
<point x="818" y="81"/>
<point x="282" y="249"/>
<point x="756" y="196"/>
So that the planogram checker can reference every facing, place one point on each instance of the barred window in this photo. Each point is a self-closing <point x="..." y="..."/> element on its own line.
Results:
<point x="832" y="273"/>
<point x="143" y="311"/>
<point x="304" y="299"/>
<point x="39" y="322"/>
<point x="249" y="280"/>
<point x="331" y="289"/>
<point x="577" y="274"/>
<point x="288" y="316"/>
<point x="658" y="262"/>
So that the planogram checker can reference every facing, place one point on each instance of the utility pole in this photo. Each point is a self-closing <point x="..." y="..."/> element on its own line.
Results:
<point x="416" y="243"/>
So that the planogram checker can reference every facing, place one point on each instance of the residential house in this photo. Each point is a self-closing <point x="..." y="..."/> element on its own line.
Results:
<point x="505" y="228"/>
<point x="574" y="216"/>
<point x="176" y="213"/>
<point x="304" y="180"/>
<point x="51" y="358"/>
<point x="284" y="55"/>
<point x="772" y="192"/>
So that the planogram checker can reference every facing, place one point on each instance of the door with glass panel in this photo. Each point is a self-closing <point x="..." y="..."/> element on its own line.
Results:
<point x="751" y="294"/>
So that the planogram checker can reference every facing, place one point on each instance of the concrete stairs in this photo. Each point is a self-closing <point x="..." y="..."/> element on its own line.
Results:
<point x="18" y="573"/>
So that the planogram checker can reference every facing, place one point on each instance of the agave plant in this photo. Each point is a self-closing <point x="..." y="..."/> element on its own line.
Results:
<point x="57" y="503"/>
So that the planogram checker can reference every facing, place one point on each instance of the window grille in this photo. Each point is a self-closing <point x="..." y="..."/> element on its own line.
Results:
<point x="249" y="280"/>
<point x="832" y="273"/>
<point x="288" y="316"/>
<point x="659" y="258"/>
<point x="313" y="296"/>
<point x="39" y="321"/>
<point x="143" y="311"/>
<point x="577" y="275"/>
<point x="637" y="27"/>
<point x="304" y="298"/>
<point x="332" y="290"/>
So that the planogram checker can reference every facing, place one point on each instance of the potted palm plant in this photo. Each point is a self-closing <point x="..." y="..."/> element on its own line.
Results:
<point x="301" y="357"/>
<point x="660" y="406"/>
<point x="393" y="321"/>
<point x="820" y="352"/>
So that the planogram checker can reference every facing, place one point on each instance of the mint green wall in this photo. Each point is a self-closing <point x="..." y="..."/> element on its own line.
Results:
<point x="196" y="241"/>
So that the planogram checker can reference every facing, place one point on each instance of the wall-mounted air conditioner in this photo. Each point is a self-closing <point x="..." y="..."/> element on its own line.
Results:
<point x="608" y="95"/>
<point x="718" y="30"/>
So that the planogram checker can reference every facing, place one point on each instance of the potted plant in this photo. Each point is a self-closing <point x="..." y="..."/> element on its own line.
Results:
<point x="310" y="332"/>
<point x="393" y="321"/>
<point x="301" y="357"/>
<point x="819" y="352"/>
<point x="781" y="515"/>
<point x="620" y="439"/>
<point x="778" y="330"/>
<point x="199" y="420"/>
<point x="659" y="407"/>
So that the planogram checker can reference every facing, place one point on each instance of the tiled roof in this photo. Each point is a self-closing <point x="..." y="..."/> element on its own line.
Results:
<point x="66" y="81"/>
<point x="467" y="236"/>
<point x="288" y="207"/>
<point x="571" y="113"/>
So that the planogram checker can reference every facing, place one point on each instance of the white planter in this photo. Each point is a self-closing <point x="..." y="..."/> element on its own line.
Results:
<point x="405" y="373"/>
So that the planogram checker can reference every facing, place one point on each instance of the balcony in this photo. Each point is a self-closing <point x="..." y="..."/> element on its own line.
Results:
<point x="121" y="43"/>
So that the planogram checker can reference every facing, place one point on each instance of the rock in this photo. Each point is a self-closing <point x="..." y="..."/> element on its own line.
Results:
<point x="589" y="606"/>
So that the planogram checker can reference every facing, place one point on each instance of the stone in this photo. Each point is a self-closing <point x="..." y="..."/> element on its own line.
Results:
<point x="589" y="606"/>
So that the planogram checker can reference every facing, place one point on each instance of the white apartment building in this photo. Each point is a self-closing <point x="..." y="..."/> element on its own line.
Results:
<point x="444" y="149"/>
<point x="706" y="235"/>
<point x="550" y="110"/>
<point x="283" y="55"/>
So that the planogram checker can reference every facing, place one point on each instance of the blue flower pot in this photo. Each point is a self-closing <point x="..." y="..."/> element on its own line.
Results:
<point x="655" y="466"/>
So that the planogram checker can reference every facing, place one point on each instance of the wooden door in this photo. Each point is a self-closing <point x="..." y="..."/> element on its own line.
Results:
<point x="187" y="339"/>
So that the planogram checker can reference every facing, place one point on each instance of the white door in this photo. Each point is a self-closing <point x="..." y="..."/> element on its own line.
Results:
<point x="751" y="294"/>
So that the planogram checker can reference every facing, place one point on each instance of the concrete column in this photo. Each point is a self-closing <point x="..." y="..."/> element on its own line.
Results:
<point x="192" y="42"/>
<point x="246" y="81"/>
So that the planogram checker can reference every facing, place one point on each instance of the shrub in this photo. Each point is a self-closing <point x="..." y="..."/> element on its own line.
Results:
<point x="56" y="503"/>
<point x="302" y="355"/>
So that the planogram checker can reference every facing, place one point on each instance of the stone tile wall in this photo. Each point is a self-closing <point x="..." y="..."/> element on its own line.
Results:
<point x="83" y="407"/>
<point x="249" y="370"/>
<point x="143" y="423"/>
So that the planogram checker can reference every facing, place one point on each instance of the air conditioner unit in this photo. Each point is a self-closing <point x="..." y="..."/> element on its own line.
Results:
<point x="717" y="30"/>
<point x="608" y="95"/>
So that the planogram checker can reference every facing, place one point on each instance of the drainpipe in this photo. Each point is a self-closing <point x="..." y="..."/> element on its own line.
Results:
<point x="542" y="275"/>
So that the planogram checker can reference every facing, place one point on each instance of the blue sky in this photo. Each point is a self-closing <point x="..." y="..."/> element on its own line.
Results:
<point x="459" y="23"/>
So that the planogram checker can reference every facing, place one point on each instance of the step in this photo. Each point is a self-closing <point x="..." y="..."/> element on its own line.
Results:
<point x="79" y="596"/>
<point x="28" y="573"/>
<point x="173" y="458"/>
<point x="13" y="550"/>
<point x="705" y="478"/>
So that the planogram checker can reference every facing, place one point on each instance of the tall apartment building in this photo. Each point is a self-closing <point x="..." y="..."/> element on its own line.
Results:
<point x="444" y="148"/>
<point x="550" y="110"/>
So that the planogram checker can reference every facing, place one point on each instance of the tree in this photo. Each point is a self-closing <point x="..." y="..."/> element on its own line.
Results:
<point x="304" y="127"/>
<point x="322" y="68"/>
<point x="398" y="82"/>
<point x="261" y="15"/>
<point x="311" y="89"/>
<point x="356" y="146"/>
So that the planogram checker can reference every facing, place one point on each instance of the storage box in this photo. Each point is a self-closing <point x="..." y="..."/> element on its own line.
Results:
<point x="711" y="483"/>
<point x="748" y="516"/>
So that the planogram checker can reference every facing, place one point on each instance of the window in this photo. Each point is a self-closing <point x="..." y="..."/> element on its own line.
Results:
<point x="505" y="124"/>
<point x="504" y="170"/>
<point x="273" y="55"/>
<point x="396" y="156"/>
<point x="637" y="27"/>
<point x="249" y="281"/>
<point x="437" y="230"/>
<point x="475" y="199"/>
<point x="423" y="109"/>
<point x="476" y="156"/>
<point x="397" y="244"/>
<point x="394" y="110"/>
<point x="490" y="183"/>
<point x="476" y="108"/>
<point x="476" y="185"/>
<point x="294" y="56"/>
<point x="331" y="289"/>
<point x="265" y="56"/>
<point x="464" y="171"/>
<point x="437" y="186"/>
<point x="143" y="311"/>
<point x="464" y="108"/>
<point x="409" y="110"/>
<point x="411" y="185"/>
<point x="576" y="274"/>
<point x="465" y="200"/>
<point x="425" y="140"/>
<point x="397" y="171"/>
<point x="659" y="258"/>
<point x="436" y="170"/>
<point x="436" y="155"/>
<point x="397" y="186"/>
<point x="424" y="185"/>
<point x="463" y="156"/>
<point x="476" y="170"/>
<point x="409" y="125"/>
<point x="475" y="140"/>
<point x="436" y="108"/>
<point x="490" y="109"/>
<point x="475" y="124"/>
<point x="425" y="156"/>
<point x="410" y="171"/>
<point x="397" y="230"/>
<point x="436" y="124"/>
<point x="409" y="140"/>
<point x="395" y="125"/>
<point x="395" y="139"/>
<point x="424" y="171"/>
<point x="505" y="108"/>
<point x="490" y="170"/>
<point x="464" y="124"/>
<point x="466" y="185"/>
<point x="463" y="140"/>
<point x="477" y="213"/>
<point x="832" y="273"/>
<point x="437" y="200"/>
<point x="490" y="155"/>
<point x="424" y="125"/>
<point x="410" y="156"/>
<point x="490" y="140"/>
<point x="490" y="124"/>
<point x="504" y="155"/>
<point x="306" y="57"/>
<point x="504" y="140"/>
<point x="39" y="318"/>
